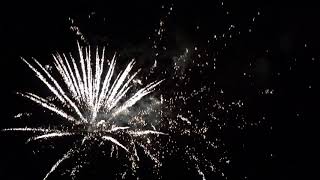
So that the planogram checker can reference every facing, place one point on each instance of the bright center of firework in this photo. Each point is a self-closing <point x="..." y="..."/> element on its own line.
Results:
<point x="91" y="87"/>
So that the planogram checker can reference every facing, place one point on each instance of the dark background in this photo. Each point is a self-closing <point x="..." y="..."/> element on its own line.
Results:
<point x="283" y="46"/>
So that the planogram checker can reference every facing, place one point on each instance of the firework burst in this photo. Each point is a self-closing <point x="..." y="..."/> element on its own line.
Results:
<point x="179" y="132"/>
<point x="89" y="96"/>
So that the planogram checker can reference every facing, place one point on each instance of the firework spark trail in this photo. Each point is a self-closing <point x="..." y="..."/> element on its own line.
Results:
<point x="55" y="166"/>
<point x="108" y="138"/>
<point x="148" y="153"/>
<point x="135" y="98"/>
<point x="105" y="86"/>
<point x="44" y="103"/>
<point x="146" y="132"/>
<point x="50" y="135"/>
<point x="183" y="118"/>
<point x="78" y="80"/>
<point x="26" y="129"/>
<point x="118" y="128"/>
<point x="67" y="77"/>
<point x="118" y="83"/>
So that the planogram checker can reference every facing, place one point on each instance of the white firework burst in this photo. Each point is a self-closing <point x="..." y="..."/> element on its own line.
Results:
<point x="87" y="95"/>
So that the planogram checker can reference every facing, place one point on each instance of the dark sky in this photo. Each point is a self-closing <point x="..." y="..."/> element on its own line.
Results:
<point x="283" y="48"/>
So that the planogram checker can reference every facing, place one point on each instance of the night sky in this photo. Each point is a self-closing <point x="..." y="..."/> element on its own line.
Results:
<point x="272" y="65"/>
